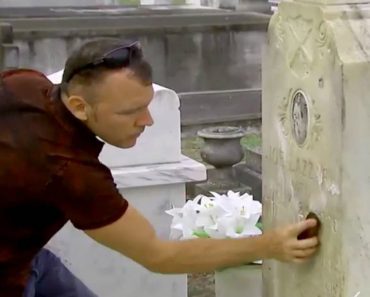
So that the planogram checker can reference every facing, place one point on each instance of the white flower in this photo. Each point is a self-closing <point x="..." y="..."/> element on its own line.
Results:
<point x="220" y="216"/>
<point x="184" y="219"/>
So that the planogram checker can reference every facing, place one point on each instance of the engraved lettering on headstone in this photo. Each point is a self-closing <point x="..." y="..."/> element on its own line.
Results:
<point x="304" y="167"/>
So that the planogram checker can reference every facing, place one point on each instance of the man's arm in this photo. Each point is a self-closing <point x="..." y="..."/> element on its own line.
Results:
<point x="94" y="204"/>
<point x="133" y="236"/>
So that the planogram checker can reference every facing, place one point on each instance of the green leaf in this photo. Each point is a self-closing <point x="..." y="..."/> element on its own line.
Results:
<point x="201" y="234"/>
<point x="239" y="229"/>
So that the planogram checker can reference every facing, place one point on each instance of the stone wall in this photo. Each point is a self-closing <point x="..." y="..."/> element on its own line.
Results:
<point x="190" y="49"/>
<point x="33" y="3"/>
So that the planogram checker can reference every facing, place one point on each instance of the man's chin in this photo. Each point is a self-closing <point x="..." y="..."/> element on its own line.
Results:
<point x="128" y="143"/>
<point x="124" y="144"/>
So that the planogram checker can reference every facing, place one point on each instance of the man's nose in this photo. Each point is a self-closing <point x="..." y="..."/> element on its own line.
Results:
<point x="146" y="119"/>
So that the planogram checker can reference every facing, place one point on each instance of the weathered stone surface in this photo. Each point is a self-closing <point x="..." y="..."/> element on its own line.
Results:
<point x="316" y="144"/>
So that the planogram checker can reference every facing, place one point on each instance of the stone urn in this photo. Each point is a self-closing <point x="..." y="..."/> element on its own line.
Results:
<point x="222" y="146"/>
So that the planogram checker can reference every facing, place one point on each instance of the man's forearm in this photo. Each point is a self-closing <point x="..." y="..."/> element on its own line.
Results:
<point x="202" y="255"/>
<point x="133" y="236"/>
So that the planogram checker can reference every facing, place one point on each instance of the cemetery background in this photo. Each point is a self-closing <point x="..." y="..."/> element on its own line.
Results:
<point x="214" y="54"/>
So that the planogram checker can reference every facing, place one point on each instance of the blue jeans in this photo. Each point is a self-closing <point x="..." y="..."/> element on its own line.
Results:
<point x="50" y="278"/>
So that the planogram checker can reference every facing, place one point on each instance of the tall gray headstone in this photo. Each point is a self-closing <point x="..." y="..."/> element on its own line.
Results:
<point x="316" y="142"/>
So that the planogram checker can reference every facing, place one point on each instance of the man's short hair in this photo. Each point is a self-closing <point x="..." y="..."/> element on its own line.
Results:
<point x="95" y="49"/>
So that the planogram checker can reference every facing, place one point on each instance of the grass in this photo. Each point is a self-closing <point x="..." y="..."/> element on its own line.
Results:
<point x="191" y="147"/>
<point x="137" y="2"/>
<point x="252" y="141"/>
<point x="129" y="2"/>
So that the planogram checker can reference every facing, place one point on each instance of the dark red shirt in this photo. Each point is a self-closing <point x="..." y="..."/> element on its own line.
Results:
<point x="49" y="174"/>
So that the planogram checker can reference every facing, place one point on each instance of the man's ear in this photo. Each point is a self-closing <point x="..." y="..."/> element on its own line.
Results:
<point x="78" y="106"/>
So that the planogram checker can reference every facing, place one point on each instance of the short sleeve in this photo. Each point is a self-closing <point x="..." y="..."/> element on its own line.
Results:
<point x="88" y="195"/>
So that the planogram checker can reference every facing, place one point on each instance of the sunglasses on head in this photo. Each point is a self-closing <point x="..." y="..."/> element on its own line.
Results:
<point x="119" y="57"/>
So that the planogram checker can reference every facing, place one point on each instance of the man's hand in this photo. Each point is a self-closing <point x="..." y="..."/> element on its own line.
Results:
<point x="284" y="245"/>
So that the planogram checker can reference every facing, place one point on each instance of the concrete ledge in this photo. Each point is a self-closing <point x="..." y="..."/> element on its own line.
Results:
<point x="215" y="106"/>
<point x="243" y="281"/>
<point x="187" y="170"/>
<point x="133" y="19"/>
<point x="192" y="130"/>
<point x="205" y="109"/>
<point x="253" y="160"/>
<point x="253" y="179"/>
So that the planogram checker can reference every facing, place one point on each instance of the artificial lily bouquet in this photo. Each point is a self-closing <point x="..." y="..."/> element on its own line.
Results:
<point x="221" y="216"/>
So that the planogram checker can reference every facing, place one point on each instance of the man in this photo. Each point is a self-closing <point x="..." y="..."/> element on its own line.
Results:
<point x="50" y="172"/>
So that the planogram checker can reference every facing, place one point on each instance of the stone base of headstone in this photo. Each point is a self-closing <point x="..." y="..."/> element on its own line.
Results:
<point x="253" y="159"/>
<point x="249" y="173"/>
<point x="251" y="179"/>
<point x="243" y="281"/>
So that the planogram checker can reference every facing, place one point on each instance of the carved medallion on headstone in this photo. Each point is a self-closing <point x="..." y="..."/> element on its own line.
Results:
<point x="299" y="114"/>
<point x="299" y="119"/>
